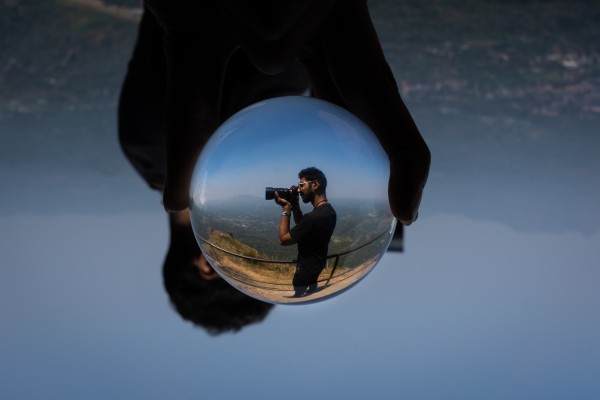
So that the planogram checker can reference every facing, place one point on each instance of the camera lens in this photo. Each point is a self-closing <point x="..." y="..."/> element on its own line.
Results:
<point x="269" y="193"/>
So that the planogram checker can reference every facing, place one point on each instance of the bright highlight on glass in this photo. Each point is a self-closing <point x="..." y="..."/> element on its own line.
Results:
<point x="265" y="146"/>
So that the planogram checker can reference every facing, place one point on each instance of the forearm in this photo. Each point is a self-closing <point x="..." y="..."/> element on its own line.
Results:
<point x="284" y="226"/>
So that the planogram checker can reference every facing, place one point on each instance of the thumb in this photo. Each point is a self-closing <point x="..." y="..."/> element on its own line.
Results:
<point x="182" y="153"/>
<point x="408" y="176"/>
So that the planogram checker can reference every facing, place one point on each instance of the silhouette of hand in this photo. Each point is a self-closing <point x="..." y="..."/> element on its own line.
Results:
<point x="181" y="155"/>
<point x="408" y="176"/>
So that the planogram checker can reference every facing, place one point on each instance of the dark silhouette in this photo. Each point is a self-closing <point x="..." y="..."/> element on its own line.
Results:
<point x="197" y="63"/>
<point x="335" y="42"/>
<point x="198" y="294"/>
<point x="195" y="291"/>
<point x="312" y="231"/>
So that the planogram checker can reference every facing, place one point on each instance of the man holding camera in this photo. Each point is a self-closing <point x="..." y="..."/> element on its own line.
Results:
<point x="312" y="231"/>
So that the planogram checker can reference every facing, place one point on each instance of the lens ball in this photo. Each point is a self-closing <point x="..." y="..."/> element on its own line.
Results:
<point x="259" y="151"/>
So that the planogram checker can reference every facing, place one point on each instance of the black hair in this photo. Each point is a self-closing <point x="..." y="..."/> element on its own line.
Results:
<point x="314" y="174"/>
<point x="213" y="305"/>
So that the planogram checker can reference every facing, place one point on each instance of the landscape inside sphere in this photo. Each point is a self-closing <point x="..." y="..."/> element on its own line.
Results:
<point x="344" y="224"/>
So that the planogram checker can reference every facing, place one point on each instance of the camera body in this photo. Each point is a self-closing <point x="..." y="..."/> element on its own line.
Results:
<point x="290" y="194"/>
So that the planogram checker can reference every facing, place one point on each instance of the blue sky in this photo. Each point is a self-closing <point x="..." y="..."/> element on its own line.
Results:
<point x="269" y="143"/>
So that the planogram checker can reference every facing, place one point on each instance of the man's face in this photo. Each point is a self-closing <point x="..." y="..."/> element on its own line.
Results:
<point x="306" y="190"/>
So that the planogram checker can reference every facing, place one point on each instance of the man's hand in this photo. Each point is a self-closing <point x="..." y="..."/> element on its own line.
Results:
<point x="182" y="154"/>
<point x="408" y="176"/>
<point x="287" y="206"/>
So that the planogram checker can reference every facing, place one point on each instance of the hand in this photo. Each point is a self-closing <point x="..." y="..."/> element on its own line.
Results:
<point x="282" y="202"/>
<point x="408" y="176"/>
<point x="182" y="154"/>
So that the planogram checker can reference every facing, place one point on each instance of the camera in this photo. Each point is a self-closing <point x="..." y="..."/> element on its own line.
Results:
<point x="290" y="195"/>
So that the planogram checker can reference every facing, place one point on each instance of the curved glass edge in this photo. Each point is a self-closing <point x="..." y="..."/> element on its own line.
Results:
<point x="271" y="281"/>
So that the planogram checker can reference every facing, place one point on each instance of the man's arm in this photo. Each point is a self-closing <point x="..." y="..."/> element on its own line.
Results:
<point x="285" y="239"/>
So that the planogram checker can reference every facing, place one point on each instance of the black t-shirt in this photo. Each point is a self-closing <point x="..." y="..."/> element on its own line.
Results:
<point x="313" y="233"/>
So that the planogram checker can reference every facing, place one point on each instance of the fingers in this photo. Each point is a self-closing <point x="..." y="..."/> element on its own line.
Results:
<point x="196" y="67"/>
<point x="190" y="122"/>
<point x="405" y="208"/>
<point x="408" y="176"/>
<point x="282" y="202"/>
<point x="181" y="157"/>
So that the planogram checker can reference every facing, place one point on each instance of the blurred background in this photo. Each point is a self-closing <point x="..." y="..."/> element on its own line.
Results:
<point x="495" y="295"/>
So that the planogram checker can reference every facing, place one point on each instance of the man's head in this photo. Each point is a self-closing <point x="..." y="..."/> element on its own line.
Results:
<point x="198" y="295"/>
<point x="312" y="182"/>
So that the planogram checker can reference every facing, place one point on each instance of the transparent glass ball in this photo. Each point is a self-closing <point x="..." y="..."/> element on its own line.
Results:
<point x="263" y="147"/>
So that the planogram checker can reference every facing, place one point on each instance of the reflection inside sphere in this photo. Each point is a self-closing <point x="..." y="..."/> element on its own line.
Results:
<point x="262" y="149"/>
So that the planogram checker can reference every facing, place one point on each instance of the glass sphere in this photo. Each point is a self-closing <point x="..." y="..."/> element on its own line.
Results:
<point x="264" y="147"/>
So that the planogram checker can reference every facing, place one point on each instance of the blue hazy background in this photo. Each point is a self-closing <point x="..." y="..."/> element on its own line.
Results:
<point x="259" y="147"/>
<point x="495" y="296"/>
